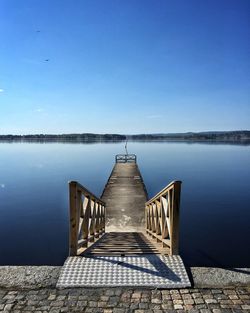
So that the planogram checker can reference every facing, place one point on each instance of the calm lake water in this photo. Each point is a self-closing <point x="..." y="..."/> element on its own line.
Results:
<point x="215" y="201"/>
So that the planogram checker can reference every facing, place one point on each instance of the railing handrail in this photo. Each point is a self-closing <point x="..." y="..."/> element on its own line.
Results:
<point x="163" y="191"/>
<point x="162" y="217"/>
<point x="87" y="218"/>
<point x="125" y="157"/>
<point x="86" y="192"/>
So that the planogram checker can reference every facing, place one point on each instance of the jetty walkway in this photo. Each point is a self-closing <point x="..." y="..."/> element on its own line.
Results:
<point x="124" y="239"/>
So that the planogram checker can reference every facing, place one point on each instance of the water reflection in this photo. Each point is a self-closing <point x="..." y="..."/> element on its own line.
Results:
<point x="162" y="141"/>
<point x="214" y="205"/>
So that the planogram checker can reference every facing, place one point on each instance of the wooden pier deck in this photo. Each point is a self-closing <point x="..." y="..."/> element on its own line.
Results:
<point x="125" y="196"/>
<point x="122" y="238"/>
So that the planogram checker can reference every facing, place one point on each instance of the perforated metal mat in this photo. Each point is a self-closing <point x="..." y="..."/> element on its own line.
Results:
<point x="150" y="270"/>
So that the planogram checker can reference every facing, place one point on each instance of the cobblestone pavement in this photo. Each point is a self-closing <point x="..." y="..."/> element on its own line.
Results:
<point x="124" y="300"/>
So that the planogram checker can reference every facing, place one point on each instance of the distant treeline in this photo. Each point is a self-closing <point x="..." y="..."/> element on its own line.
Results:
<point x="243" y="135"/>
<point x="225" y="136"/>
<point x="86" y="137"/>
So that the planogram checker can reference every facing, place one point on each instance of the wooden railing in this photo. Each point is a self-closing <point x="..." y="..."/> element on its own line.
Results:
<point x="87" y="218"/>
<point x="125" y="158"/>
<point x="162" y="217"/>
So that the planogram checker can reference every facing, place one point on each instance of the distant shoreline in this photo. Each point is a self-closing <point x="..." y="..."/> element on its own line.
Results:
<point x="242" y="136"/>
<point x="235" y="142"/>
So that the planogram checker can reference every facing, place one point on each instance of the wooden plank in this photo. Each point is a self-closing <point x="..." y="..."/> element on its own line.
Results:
<point x="125" y="196"/>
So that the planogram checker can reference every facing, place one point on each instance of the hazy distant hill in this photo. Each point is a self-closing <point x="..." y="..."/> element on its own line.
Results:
<point x="242" y="135"/>
<point x="225" y="136"/>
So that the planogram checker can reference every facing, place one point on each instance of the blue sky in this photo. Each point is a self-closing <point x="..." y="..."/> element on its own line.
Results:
<point x="127" y="67"/>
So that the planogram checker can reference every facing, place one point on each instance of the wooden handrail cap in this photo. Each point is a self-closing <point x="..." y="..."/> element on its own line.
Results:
<point x="72" y="182"/>
<point x="164" y="190"/>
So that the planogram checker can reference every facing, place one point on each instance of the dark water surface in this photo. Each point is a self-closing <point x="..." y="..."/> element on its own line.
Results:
<point x="215" y="202"/>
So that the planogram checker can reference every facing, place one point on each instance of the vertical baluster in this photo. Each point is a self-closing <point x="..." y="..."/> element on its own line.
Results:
<point x="97" y="219"/>
<point x="148" y="214"/>
<point x="163" y="219"/>
<point x="85" y="223"/>
<point x="158" y="217"/>
<point x="92" y="221"/>
<point x="148" y="218"/>
<point x="151" y="217"/>
<point x="102" y="218"/>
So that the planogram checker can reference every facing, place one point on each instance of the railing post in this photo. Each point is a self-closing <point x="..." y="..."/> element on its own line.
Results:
<point x="85" y="226"/>
<point x="175" y="218"/>
<point x="74" y="218"/>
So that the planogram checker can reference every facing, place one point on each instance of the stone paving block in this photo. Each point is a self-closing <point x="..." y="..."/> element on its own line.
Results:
<point x="245" y="307"/>
<point x="125" y="300"/>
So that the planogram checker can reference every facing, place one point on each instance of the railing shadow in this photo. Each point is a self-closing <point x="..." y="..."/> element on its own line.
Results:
<point x="161" y="269"/>
<point x="113" y="243"/>
<point x="122" y="244"/>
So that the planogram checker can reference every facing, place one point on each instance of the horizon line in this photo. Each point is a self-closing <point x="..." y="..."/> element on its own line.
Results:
<point x="134" y="134"/>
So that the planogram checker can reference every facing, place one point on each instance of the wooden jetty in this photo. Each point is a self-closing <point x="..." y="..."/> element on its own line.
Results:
<point x="124" y="207"/>
<point x="123" y="227"/>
